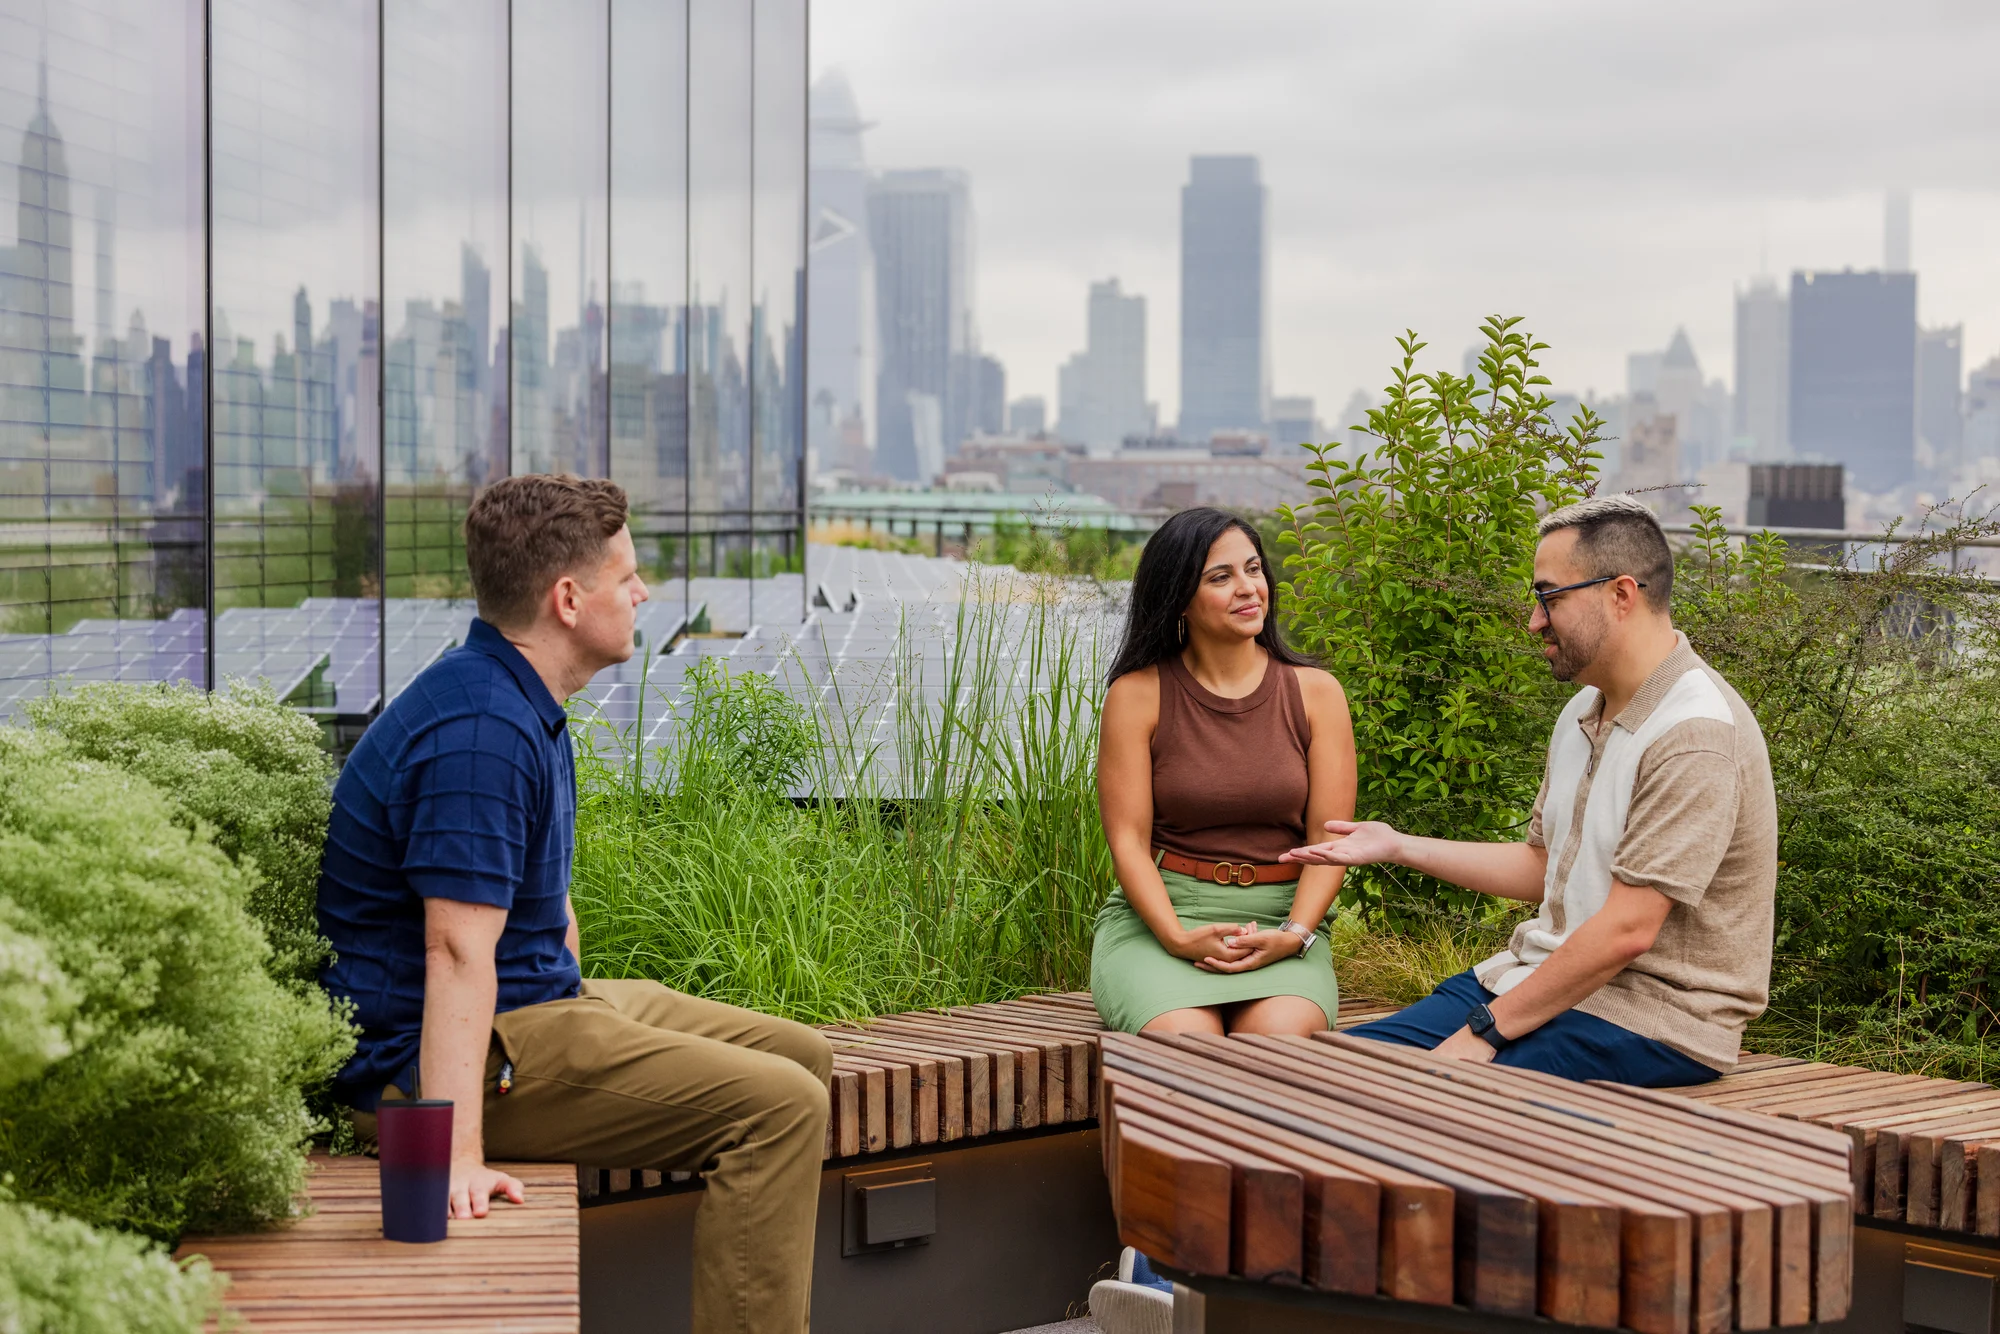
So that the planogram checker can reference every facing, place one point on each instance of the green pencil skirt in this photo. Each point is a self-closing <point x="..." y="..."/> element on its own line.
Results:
<point x="1134" y="980"/>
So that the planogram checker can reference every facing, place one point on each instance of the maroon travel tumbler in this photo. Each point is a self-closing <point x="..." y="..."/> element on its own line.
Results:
<point x="414" y="1139"/>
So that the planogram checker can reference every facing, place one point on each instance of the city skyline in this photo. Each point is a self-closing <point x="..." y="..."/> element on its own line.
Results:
<point x="1718" y="149"/>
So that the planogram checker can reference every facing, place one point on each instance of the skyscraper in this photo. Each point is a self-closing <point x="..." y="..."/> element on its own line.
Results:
<point x="1027" y="416"/>
<point x="1854" y="373"/>
<point x="840" y="356"/>
<point x="1682" y="393"/>
<point x="1103" y="396"/>
<point x="1763" y="370"/>
<point x="1293" y="422"/>
<point x="1940" y="406"/>
<point x="1224" y="367"/>
<point x="1896" y="232"/>
<point x="919" y="226"/>
<point x="1980" y="445"/>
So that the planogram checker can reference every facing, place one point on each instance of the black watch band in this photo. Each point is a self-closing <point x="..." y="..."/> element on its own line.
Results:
<point x="1480" y="1021"/>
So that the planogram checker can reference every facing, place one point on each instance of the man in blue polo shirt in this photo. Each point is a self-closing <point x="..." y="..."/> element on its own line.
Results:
<point x="445" y="894"/>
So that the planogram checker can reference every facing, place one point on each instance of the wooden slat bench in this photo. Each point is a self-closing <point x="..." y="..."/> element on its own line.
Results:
<point x="1362" y="1168"/>
<point x="514" y="1271"/>
<point x="949" y="1076"/>
<point x="1334" y="1165"/>
<point x="1925" y="1151"/>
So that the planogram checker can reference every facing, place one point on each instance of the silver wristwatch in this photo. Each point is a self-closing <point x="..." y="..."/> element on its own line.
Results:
<point x="1306" y="934"/>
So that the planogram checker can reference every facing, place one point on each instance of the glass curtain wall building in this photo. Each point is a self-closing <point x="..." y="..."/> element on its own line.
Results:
<point x="284" y="282"/>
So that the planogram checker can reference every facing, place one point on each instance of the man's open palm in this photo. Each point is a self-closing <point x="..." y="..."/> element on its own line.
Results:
<point x="1355" y="843"/>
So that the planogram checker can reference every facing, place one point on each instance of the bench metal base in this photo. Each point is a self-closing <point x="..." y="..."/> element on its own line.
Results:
<point x="1905" y="1278"/>
<point x="1023" y="1228"/>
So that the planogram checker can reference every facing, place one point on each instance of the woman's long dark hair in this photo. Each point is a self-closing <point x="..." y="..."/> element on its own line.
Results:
<point x="1169" y="573"/>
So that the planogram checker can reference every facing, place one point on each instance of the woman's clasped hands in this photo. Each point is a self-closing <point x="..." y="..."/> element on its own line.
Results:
<point x="1230" y="947"/>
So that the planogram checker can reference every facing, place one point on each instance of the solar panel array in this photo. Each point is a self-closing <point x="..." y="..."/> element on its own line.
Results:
<point x="886" y="634"/>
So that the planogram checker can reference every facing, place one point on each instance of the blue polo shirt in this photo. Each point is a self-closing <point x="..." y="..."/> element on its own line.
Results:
<point x="464" y="788"/>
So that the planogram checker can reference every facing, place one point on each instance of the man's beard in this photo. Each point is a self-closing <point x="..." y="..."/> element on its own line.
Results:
<point x="1577" y="649"/>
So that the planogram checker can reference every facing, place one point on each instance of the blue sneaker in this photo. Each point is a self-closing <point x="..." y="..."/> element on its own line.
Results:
<point x="1134" y="1267"/>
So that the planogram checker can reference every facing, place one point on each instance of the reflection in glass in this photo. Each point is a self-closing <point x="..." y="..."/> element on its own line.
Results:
<point x="561" y="248"/>
<point x="444" y="288"/>
<point x="719" y="221"/>
<point x="777" y="332"/>
<point x="296" y="379"/>
<point x="102" y="490"/>
<point x="492" y="236"/>
<point x="649" y="344"/>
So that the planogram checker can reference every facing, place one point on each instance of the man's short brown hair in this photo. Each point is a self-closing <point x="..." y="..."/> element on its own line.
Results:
<point x="1618" y="535"/>
<point x="523" y="533"/>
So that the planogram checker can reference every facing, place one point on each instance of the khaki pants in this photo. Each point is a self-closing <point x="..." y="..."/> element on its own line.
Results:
<point x="631" y="1074"/>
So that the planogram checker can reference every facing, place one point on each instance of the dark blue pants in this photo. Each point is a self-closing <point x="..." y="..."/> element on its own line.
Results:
<point x="1573" y="1044"/>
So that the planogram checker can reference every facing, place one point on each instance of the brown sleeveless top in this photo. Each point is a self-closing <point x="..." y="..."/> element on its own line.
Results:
<point x="1229" y="775"/>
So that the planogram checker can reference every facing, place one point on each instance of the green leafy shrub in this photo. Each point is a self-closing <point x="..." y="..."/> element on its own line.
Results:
<point x="62" y="1276"/>
<point x="36" y="1004"/>
<point x="1878" y="692"/>
<point x="239" y="760"/>
<point x="1409" y="575"/>
<point x="1067" y="550"/>
<point x="1407" y="964"/>
<point x="178" y="1102"/>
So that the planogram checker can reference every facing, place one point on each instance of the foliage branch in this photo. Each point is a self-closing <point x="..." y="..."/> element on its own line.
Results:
<point x="1409" y="576"/>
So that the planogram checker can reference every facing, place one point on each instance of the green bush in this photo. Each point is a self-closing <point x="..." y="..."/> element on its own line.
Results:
<point x="37" y="1003"/>
<point x="242" y="762"/>
<point x="1878" y="691"/>
<point x="177" y="1104"/>
<point x="1409" y="576"/>
<point x="1068" y="550"/>
<point x="61" y="1276"/>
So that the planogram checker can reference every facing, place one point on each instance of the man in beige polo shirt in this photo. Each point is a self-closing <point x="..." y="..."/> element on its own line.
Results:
<point x="1653" y="848"/>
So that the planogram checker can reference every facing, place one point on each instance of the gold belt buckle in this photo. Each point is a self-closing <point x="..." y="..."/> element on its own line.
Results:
<point x="1240" y="873"/>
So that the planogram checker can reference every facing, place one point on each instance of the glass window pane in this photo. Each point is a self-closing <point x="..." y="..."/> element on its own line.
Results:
<point x="777" y="333"/>
<point x="719" y="286"/>
<point x="297" y="375"/>
<point x="102" y="484"/>
<point x="561" y="248"/>
<point x="444" y="287"/>
<point x="649" y="346"/>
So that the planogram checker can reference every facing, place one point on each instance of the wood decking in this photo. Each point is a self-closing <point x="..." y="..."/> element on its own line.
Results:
<point x="514" y="1271"/>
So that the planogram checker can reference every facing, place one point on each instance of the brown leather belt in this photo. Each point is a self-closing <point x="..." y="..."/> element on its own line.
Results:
<point x="1225" y="873"/>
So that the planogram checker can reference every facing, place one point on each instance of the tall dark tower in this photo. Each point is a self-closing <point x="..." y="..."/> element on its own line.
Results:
<point x="1224" y="369"/>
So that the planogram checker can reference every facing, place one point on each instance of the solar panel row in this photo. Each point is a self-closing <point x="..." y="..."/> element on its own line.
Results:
<point x="887" y="633"/>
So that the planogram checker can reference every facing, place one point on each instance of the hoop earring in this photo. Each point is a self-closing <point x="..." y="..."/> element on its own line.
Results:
<point x="1183" y="630"/>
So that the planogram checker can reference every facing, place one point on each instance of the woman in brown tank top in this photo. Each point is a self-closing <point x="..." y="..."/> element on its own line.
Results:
<point x="1219" y="749"/>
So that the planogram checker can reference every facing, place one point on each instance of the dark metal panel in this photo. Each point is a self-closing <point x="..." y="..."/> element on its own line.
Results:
<point x="1023" y="1228"/>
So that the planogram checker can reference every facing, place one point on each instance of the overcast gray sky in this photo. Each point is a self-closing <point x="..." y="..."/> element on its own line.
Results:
<point x="1610" y="171"/>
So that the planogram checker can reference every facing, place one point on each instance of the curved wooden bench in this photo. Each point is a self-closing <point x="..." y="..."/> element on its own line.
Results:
<point x="1511" y="1193"/>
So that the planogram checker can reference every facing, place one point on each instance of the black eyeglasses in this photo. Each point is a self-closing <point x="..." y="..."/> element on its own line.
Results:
<point x="1543" y="595"/>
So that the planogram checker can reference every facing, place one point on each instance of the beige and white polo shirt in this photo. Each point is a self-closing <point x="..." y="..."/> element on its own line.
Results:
<point x="1675" y="794"/>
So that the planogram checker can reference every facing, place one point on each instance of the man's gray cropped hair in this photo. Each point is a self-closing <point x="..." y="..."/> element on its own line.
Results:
<point x="1597" y="507"/>
<point x="1619" y="535"/>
